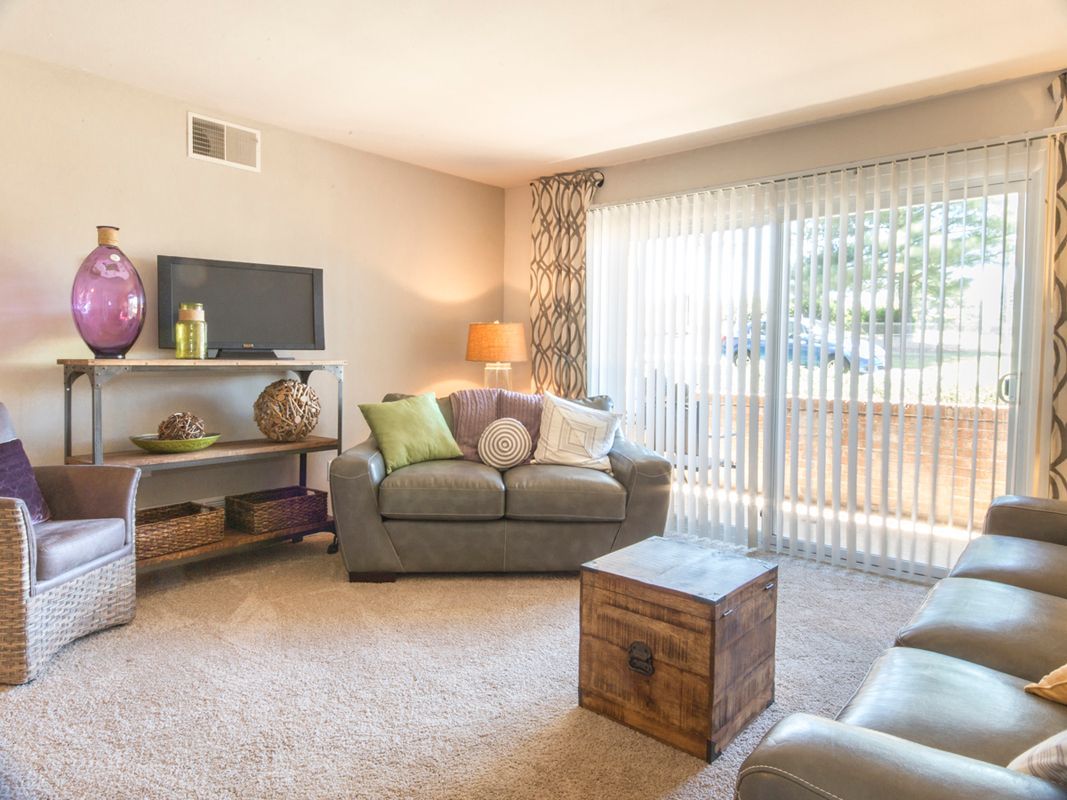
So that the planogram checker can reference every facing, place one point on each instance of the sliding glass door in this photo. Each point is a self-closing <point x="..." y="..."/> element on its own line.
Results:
<point x="832" y="361"/>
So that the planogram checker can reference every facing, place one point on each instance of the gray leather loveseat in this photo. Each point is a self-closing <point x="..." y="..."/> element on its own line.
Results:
<point x="464" y="516"/>
<point x="943" y="713"/>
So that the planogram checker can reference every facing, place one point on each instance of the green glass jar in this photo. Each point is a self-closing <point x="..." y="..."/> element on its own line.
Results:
<point x="190" y="332"/>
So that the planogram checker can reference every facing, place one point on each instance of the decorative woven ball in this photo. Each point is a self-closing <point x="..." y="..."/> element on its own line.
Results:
<point x="181" y="425"/>
<point x="504" y="443"/>
<point x="287" y="410"/>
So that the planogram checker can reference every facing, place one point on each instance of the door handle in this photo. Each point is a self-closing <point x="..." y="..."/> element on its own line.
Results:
<point x="1006" y="388"/>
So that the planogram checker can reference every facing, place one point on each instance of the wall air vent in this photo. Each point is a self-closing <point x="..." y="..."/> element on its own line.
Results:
<point x="223" y="142"/>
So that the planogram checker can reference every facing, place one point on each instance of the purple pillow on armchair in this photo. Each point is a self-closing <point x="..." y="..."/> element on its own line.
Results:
<point x="17" y="480"/>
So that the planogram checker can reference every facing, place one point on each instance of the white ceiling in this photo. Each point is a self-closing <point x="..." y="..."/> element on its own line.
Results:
<point x="500" y="91"/>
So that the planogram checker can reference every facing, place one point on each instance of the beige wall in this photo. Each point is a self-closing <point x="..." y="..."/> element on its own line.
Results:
<point x="1006" y="109"/>
<point x="410" y="257"/>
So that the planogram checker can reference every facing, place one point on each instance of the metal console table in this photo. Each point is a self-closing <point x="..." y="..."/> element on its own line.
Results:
<point x="100" y="371"/>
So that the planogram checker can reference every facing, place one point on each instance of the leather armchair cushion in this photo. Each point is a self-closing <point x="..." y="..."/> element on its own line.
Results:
<point x="65" y="545"/>
<point x="557" y="492"/>
<point x="1028" y="563"/>
<point x="1012" y="630"/>
<point x="442" y="490"/>
<point x="953" y="705"/>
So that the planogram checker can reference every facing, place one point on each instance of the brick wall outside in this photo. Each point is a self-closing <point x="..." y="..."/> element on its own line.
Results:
<point x="957" y="437"/>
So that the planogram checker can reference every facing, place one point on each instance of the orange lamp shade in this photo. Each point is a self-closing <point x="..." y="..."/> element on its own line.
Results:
<point x="496" y="341"/>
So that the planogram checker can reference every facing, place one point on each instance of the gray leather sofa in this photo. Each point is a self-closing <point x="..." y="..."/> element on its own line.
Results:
<point x="941" y="714"/>
<point x="464" y="516"/>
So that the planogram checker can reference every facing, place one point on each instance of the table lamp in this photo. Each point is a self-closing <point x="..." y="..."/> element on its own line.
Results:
<point x="497" y="344"/>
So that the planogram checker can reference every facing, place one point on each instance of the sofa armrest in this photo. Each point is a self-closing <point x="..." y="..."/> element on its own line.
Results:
<point x="91" y="492"/>
<point x="18" y="554"/>
<point x="646" y="476"/>
<point x="805" y="757"/>
<point x="354" y="479"/>
<point x="1028" y="518"/>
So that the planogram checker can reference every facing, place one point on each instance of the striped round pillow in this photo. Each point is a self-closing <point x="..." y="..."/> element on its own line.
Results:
<point x="504" y="443"/>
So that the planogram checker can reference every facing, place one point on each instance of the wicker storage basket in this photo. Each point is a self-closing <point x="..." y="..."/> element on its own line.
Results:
<point x="166" y="529"/>
<point x="274" y="509"/>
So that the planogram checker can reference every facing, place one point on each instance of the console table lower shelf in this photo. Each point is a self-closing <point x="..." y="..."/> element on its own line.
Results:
<point x="234" y="541"/>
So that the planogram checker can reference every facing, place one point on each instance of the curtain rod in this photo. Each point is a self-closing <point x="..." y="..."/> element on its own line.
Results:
<point x="1029" y="136"/>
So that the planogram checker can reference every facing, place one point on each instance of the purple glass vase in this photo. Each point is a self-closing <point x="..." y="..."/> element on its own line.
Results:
<point x="107" y="300"/>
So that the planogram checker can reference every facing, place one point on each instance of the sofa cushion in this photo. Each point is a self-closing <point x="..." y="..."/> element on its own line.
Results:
<point x="445" y="490"/>
<point x="1002" y="627"/>
<point x="953" y="705"/>
<point x="63" y="545"/>
<point x="556" y="492"/>
<point x="1028" y="563"/>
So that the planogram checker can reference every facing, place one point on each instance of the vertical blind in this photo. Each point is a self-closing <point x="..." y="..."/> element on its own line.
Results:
<point x="832" y="361"/>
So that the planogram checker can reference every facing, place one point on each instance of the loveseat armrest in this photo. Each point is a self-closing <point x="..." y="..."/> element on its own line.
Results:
<point x="646" y="476"/>
<point x="76" y="491"/>
<point x="1028" y="518"/>
<point x="805" y="757"/>
<point x="354" y="479"/>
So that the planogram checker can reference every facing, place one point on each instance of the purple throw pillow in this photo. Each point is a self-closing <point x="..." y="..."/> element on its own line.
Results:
<point x="472" y="411"/>
<point x="17" y="480"/>
<point x="526" y="408"/>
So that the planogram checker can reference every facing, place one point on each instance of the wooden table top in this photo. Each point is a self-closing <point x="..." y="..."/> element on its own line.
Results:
<point x="681" y="566"/>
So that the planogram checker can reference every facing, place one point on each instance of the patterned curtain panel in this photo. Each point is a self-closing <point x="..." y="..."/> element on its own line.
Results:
<point x="557" y="281"/>
<point x="1056" y="255"/>
<point x="1056" y="249"/>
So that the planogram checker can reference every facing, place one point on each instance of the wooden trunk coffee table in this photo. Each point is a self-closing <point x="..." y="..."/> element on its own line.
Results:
<point x="677" y="641"/>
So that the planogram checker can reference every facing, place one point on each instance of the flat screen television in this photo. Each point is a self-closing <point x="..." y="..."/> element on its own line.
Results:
<point x="251" y="309"/>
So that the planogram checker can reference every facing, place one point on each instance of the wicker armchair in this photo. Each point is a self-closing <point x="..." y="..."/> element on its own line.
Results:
<point x="70" y="576"/>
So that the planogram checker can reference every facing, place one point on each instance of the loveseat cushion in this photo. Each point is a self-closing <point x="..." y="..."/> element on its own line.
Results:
<point x="443" y="490"/>
<point x="63" y="545"/>
<point x="1028" y="563"/>
<point x="953" y="705"/>
<point x="1012" y="630"/>
<point x="557" y="492"/>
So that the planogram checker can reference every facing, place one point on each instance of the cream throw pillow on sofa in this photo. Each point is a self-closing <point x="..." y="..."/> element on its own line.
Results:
<point x="575" y="435"/>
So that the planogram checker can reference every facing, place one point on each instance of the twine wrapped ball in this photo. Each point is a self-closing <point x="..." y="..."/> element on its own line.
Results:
<point x="181" y="425"/>
<point x="287" y="410"/>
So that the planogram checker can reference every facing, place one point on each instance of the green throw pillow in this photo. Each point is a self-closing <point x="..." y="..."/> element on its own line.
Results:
<point x="410" y="430"/>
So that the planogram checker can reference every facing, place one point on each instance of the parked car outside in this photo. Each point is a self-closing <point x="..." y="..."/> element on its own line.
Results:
<point x="805" y="346"/>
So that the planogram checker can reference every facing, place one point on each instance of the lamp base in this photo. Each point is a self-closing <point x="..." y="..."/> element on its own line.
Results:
<point x="497" y="375"/>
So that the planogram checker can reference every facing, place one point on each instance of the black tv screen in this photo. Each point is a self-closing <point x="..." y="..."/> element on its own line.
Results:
<point x="248" y="307"/>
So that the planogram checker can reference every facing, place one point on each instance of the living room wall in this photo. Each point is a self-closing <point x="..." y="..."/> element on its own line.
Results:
<point x="410" y="257"/>
<point x="1005" y="109"/>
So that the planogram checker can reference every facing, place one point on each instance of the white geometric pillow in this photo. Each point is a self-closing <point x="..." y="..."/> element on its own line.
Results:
<point x="1047" y="759"/>
<point x="575" y="435"/>
<point x="505" y="443"/>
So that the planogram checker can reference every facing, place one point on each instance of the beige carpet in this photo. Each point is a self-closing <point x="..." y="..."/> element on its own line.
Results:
<point x="269" y="676"/>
